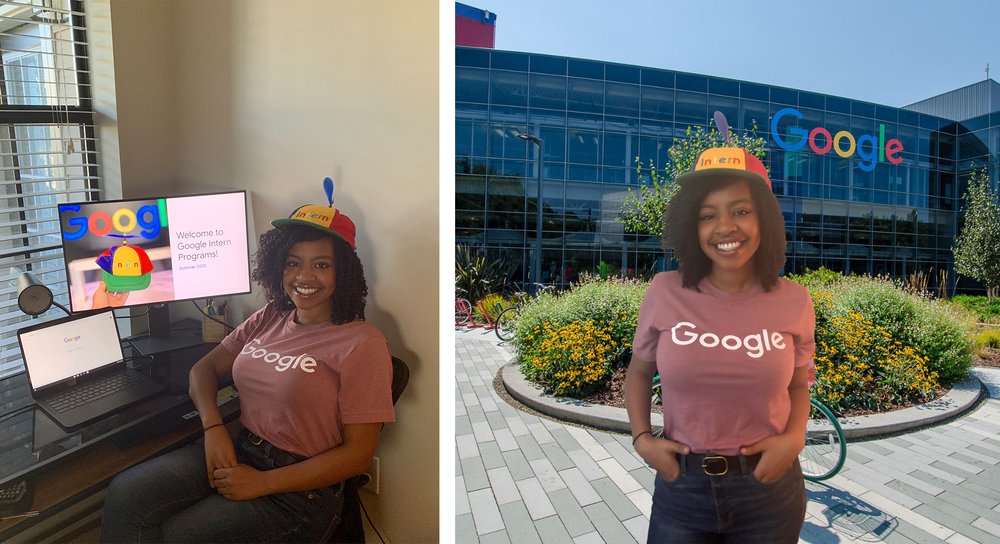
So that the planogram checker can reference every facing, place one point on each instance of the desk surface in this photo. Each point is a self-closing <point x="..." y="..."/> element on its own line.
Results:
<point x="62" y="465"/>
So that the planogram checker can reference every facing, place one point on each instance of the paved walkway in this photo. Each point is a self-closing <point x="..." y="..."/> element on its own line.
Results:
<point x="523" y="478"/>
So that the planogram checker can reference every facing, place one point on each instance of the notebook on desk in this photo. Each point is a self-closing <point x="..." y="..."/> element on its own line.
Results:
<point x="76" y="368"/>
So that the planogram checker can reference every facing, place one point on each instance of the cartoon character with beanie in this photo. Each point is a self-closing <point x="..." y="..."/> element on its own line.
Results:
<point x="315" y="389"/>
<point x="125" y="269"/>
<point x="733" y="344"/>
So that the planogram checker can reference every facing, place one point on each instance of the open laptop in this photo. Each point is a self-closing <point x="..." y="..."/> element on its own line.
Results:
<point x="76" y="368"/>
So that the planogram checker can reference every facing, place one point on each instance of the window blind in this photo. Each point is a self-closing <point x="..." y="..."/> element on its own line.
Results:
<point x="47" y="150"/>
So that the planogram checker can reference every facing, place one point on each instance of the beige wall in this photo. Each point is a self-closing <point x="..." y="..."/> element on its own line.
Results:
<point x="273" y="95"/>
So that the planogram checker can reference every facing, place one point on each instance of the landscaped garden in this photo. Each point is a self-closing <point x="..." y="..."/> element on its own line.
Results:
<point x="880" y="345"/>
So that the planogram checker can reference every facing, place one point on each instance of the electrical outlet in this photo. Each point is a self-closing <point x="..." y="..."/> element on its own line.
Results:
<point x="373" y="472"/>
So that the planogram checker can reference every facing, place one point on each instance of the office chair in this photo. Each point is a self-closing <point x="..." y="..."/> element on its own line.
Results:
<point x="351" y="528"/>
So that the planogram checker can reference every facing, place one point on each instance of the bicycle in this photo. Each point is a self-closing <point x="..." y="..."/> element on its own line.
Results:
<point x="507" y="319"/>
<point x="463" y="309"/>
<point x="826" y="448"/>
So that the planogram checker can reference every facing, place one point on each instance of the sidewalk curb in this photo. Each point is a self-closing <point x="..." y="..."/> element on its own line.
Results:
<point x="962" y="397"/>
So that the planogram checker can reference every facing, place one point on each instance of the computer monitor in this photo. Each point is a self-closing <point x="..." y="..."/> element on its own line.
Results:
<point x="153" y="251"/>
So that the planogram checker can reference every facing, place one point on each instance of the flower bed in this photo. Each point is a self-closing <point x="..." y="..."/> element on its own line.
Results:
<point x="878" y="346"/>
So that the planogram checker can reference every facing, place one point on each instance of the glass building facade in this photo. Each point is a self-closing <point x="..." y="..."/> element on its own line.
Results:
<point x="873" y="212"/>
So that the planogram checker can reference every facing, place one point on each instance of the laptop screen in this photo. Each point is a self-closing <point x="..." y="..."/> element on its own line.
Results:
<point x="69" y="348"/>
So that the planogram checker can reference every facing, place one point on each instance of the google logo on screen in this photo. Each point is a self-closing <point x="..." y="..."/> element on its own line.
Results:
<point x="871" y="149"/>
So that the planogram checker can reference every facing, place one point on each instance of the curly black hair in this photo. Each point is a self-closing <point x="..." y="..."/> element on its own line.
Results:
<point x="680" y="231"/>
<point x="269" y="265"/>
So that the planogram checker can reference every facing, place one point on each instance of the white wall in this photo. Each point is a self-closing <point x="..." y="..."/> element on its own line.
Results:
<point x="273" y="95"/>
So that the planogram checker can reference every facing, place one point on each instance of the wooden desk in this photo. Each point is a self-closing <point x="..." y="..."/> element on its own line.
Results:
<point x="71" y="470"/>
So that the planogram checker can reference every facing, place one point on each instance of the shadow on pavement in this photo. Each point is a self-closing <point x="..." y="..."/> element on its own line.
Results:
<point x="845" y="515"/>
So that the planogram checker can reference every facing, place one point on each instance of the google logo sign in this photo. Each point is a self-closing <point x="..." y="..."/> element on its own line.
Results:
<point x="870" y="149"/>
<point x="149" y="219"/>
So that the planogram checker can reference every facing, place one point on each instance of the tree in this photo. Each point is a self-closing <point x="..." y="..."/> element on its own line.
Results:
<point x="977" y="248"/>
<point x="642" y="210"/>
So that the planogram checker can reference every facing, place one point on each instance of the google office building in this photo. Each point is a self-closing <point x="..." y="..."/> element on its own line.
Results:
<point x="865" y="188"/>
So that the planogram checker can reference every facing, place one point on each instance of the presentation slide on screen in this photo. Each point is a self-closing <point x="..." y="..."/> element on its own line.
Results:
<point x="146" y="251"/>
<point x="208" y="242"/>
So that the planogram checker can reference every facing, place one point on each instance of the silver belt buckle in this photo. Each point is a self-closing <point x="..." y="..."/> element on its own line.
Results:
<point x="711" y="464"/>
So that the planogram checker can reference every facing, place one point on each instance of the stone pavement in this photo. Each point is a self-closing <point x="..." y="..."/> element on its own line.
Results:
<point x="524" y="478"/>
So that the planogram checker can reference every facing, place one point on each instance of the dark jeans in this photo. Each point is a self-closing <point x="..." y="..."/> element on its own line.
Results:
<point x="734" y="508"/>
<point x="168" y="499"/>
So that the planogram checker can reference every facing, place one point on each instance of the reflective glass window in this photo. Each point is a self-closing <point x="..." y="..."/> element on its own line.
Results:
<point x="585" y="95"/>
<point x="547" y="65"/>
<point x="586" y="68"/>
<point x="752" y="114"/>
<point x="470" y="192"/>
<point x="886" y="114"/>
<point x="480" y="138"/>
<point x="972" y="145"/>
<point x="657" y="78"/>
<point x="692" y="82"/>
<point x="619" y="72"/>
<point x="811" y="100"/>
<point x="862" y="109"/>
<point x="784" y="97"/>
<point x="463" y="137"/>
<point x="621" y="99"/>
<point x="837" y="104"/>
<point x="728" y="106"/>
<point x="553" y="144"/>
<point x="505" y="194"/>
<point x="507" y="60"/>
<point x="615" y="175"/>
<point x="554" y="171"/>
<point x="472" y="57"/>
<point x="615" y="149"/>
<point x="657" y="103"/>
<point x="577" y="172"/>
<point x="908" y="118"/>
<point x="725" y="87"/>
<point x="548" y="92"/>
<point x="584" y="146"/>
<point x="754" y="91"/>
<point x="472" y="85"/>
<point x="690" y="108"/>
<point x="509" y="88"/>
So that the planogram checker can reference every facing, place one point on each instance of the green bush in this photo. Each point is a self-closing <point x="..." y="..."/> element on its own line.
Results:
<point x="490" y="306"/>
<point x="554" y="335"/>
<point x="938" y="330"/>
<point x="988" y="337"/>
<point x="987" y="312"/>
<point x="478" y="274"/>
<point x="859" y="365"/>
<point x="815" y="279"/>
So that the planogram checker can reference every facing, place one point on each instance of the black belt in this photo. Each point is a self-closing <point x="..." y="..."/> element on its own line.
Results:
<point x="718" y="465"/>
<point x="281" y="455"/>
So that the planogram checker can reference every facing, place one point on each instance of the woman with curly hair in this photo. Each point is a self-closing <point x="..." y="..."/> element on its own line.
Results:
<point x="733" y="344"/>
<point x="315" y="388"/>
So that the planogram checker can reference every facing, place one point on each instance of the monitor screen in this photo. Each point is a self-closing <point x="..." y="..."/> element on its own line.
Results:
<point x="144" y="251"/>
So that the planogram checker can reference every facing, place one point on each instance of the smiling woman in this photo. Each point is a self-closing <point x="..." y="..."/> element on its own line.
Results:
<point x="733" y="345"/>
<point x="315" y="389"/>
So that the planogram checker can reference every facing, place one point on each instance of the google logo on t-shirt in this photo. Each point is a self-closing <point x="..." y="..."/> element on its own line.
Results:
<point x="870" y="149"/>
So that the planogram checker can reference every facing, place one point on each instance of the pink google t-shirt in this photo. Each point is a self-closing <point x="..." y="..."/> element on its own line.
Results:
<point x="300" y="384"/>
<point x="725" y="360"/>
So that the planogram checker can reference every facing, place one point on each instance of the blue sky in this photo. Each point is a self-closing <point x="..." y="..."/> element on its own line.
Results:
<point x="885" y="51"/>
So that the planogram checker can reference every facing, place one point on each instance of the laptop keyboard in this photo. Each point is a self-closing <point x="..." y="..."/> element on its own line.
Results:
<point x="88" y="392"/>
